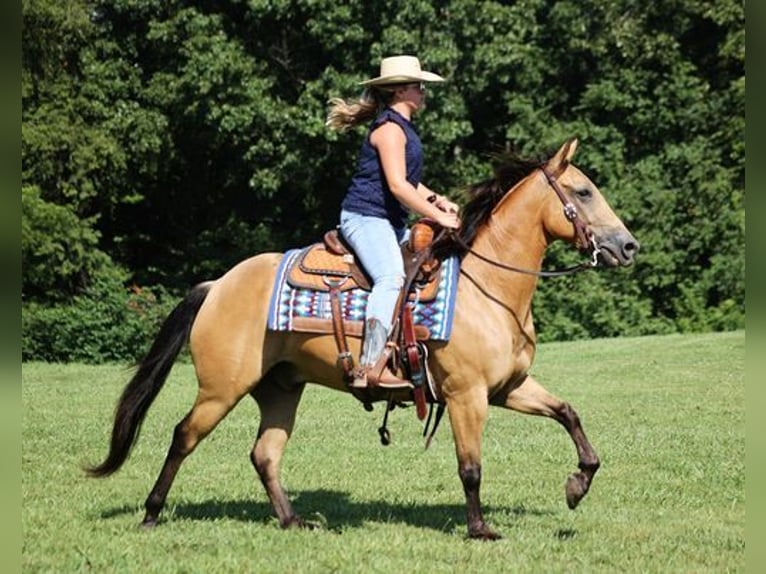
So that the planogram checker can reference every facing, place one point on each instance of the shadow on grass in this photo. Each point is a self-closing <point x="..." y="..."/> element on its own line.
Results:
<point x="336" y="510"/>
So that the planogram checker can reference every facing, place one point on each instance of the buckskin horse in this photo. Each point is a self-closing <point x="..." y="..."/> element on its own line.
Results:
<point x="508" y="224"/>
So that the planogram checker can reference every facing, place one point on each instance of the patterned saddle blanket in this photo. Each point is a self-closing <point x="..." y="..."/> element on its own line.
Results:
<point x="300" y="299"/>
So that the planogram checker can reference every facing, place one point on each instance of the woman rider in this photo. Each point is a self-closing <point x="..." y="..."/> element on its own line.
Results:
<point x="386" y="184"/>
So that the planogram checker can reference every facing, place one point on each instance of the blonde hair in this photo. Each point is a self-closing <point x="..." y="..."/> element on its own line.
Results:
<point x="345" y="114"/>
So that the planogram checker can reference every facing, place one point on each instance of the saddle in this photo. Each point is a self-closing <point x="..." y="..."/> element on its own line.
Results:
<point x="330" y="266"/>
<point x="332" y="263"/>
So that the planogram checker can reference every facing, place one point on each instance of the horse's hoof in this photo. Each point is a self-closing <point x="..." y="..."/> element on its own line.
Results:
<point x="483" y="532"/>
<point x="299" y="523"/>
<point x="576" y="488"/>
<point x="149" y="522"/>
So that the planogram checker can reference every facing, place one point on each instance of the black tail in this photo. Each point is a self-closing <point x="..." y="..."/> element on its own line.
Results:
<point x="148" y="380"/>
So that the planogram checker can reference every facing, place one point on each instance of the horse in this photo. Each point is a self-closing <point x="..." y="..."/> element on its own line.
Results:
<point x="507" y="225"/>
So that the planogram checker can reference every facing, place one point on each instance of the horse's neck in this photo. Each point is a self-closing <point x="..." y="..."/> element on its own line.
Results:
<point x="513" y="236"/>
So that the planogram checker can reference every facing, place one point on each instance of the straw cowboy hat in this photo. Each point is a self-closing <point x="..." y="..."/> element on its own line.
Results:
<point x="400" y="70"/>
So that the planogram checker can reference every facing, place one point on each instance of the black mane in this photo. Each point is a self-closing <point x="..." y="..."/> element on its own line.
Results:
<point x="509" y="169"/>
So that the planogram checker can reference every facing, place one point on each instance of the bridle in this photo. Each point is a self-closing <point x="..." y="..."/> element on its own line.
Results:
<point x="584" y="240"/>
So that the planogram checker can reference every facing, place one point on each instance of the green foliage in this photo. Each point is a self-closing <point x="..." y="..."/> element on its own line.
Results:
<point x="594" y="304"/>
<point x="58" y="250"/>
<point x="177" y="138"/>
<point x="107" y="323"/>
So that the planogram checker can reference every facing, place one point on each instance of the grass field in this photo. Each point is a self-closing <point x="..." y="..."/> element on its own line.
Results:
<point x="666" y="415"/>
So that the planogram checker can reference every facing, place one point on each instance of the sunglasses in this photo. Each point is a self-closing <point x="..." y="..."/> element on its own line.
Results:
<point x="419" y="86"/>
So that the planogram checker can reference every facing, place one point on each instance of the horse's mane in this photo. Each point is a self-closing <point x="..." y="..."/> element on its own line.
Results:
<point x="509" y="169"/>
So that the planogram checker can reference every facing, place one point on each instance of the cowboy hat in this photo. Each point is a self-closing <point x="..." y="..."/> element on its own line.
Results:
<point x="401" y="70"/>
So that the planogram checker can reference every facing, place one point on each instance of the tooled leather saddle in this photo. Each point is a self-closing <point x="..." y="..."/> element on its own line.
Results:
<point x="332" y="262"/>
<point x="330" y="266"/>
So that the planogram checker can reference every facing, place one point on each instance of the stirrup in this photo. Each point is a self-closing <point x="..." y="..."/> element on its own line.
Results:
<point x="364" y="378"/>
<point x="385" y="379"/>
<point x="379" y="375"/>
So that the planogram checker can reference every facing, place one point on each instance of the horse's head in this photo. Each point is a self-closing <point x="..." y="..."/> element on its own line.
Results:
<point x="581" y="214"/>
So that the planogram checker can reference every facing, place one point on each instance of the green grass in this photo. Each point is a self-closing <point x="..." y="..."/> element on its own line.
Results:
<point x="666" y="414"/>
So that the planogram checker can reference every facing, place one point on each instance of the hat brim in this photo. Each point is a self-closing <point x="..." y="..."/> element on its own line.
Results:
<point x="403" y="79"/>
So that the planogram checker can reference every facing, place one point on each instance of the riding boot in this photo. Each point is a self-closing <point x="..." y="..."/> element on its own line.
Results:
<point x="373" y="369"/>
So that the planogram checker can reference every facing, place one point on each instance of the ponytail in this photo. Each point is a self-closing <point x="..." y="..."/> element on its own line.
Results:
<point x="344" y="114"/>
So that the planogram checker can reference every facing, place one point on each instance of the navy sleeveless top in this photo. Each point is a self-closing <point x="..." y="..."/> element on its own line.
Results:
<point x="368" y="193"/>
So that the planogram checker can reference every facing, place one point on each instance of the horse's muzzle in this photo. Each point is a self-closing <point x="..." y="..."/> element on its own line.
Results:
<point x="617" y="249"/>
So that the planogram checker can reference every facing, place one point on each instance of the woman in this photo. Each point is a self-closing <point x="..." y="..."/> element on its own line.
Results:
<point x="385" y="186"/>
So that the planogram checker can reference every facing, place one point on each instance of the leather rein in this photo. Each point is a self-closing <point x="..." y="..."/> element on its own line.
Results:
<point x="584" y="239"/>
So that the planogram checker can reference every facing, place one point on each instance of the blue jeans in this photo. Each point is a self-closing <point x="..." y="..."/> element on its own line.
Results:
<point x="376" y="245"/>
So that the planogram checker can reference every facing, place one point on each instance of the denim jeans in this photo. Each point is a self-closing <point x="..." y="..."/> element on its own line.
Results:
<point x="376" y="245"/>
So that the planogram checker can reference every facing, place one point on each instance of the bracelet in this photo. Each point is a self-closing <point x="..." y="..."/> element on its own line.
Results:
<point x="432" y="198"/>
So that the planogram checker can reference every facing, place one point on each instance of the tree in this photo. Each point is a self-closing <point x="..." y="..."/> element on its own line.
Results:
<point x="177" y="138"/>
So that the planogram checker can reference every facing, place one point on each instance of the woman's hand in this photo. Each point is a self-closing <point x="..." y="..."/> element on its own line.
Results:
<point x="446" y="205"/>
<point x="446" y="216"/>
<point x="450" y="219"/>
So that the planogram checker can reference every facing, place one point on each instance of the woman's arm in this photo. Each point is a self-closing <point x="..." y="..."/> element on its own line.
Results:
<point x="389" y="140"/>
<point x="439" y="201"/>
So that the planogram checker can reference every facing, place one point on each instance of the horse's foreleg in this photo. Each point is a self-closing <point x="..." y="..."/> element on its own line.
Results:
<point x="468" y="413"/>
<point x="202" y="419"/>
<point x="278" y="406"/>
<point x="530" y="397"/>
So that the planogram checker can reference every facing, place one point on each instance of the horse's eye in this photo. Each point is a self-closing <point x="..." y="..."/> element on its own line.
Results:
<point x="583" y="193"/>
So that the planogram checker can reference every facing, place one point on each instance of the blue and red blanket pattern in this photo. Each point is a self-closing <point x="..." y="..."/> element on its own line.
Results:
<point x="288" y="302"/>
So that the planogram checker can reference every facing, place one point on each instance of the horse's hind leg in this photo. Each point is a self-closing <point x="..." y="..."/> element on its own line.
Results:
<point x="202" y="418"/>
<point x="277" y="397"/>
<point x="530" y="397"/>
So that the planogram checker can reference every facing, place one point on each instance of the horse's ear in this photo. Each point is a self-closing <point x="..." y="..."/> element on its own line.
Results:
<point x="571" y="148"/>
<point x="559" y="162"/>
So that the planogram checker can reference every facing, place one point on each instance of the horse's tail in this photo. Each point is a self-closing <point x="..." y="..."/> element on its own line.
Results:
<point x="149" y="379"/>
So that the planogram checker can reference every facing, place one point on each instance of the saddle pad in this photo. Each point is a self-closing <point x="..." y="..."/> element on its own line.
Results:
<point x="308" y="310"/>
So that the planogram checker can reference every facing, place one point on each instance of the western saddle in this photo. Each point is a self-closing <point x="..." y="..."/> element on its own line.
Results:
<point x="330" y="266"/>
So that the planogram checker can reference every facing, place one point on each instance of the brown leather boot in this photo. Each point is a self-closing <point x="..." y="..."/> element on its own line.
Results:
<point x="379" y="375"/>
<point x="373" y="370"/>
